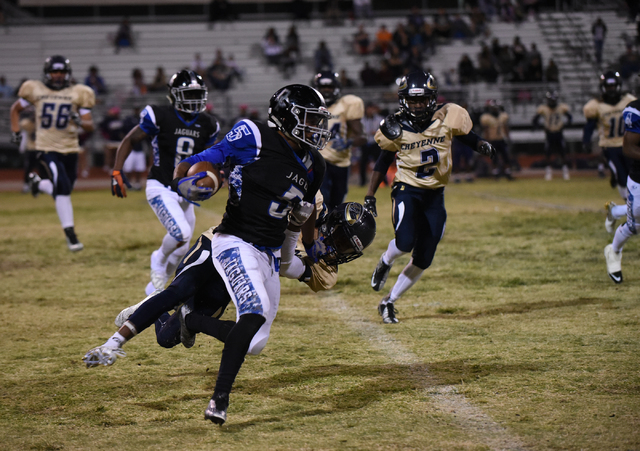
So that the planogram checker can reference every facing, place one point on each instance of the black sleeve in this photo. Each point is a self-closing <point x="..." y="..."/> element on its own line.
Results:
<point x="319" y="168"/>
<point x="470" y="139"/>
<point x="384" y="161"/>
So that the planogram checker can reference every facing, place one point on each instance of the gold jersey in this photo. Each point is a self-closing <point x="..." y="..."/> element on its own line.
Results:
<point x="494" y="128"/>
<point x="424" y="158"/>
<point x="55" y="131"/>
<point x="609" y="119"/>
<point x="346" y="108"/>
<point x="553" y="117"/>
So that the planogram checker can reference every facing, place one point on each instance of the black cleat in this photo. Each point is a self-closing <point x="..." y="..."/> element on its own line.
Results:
<point x="380" y="274"/>
<point x="72" y="240"/>
<point x="388" y="311"/>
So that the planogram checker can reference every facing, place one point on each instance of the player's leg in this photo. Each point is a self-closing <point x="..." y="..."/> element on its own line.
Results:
<point x="189" y="215"/>
<point x="613" y="251"/>
<point x="548" y="145"/>
<point x="619" y="168"/>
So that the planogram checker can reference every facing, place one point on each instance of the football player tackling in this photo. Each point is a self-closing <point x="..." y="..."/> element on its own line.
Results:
<point x="419" y="136"/>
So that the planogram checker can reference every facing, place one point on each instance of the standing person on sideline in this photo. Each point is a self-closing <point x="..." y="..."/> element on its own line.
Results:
<point x="63" y="111"/>
<point x="177" y="131"/>
<point x="631" y="150"/>
<point x="420" y="135"/>
<point x="277" y="172"/>
<point x="495" y="129"/>
<point x="346" y="131"/>
<point x="552" y="112"/>
<point x="605" y="113"/>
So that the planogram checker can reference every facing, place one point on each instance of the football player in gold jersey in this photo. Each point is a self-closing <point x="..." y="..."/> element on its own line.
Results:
<point x="495" y="129"/>
<point x="63" y="111"/>
<point x="346" y="131"/>
<point x="419" y="136"/>
<point x="605" y="113"/>
<point x="552" y="113"/>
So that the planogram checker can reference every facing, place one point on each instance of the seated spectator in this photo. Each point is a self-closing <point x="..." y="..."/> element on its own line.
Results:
<point x="518" y="50"/>
<point x="534" y="71"/>
<point x="6" y="91"/>
<point x="552" y="74"/>
<point x="292" y="43"/>
<point x="401" y="40"/>
<point x="159" y="82"/>
<point x="271" y="47"/>
<point x="219" y="73"/>
<point x="197" y="65"/>
<point x="124" y="36"/>
<point x="629" y="63"/>
<point x="428" y="39"/>
<point x="395" y="61"/>
<point x="236" y="72"/>
<point x="534" y="52"/>
<point x="139" y="87"/>
<point x="459" y="28"/>
<point x="345" y="81"/>
<point x="442" y="25"/>
<point x="385" y="75"/>
<point x="95" y="81"/>
<point x="361" y="41"/>
<point x="415" y="18"/>
<point x="383" y="39"/>
<point x="478" y="22"/>
<point x="466" y="70"/>
<point x="487" y="70"/>
<point x="368" y="75"/>
<point x="322" y="58"/>
<point x="414" y="60"/>
<point x="504" y="60"/>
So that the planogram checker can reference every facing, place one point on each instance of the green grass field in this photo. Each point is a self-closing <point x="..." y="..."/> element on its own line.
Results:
<point x="515" y="338"/>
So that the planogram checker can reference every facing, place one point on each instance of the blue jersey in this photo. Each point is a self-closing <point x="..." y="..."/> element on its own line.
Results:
<point x="631" y="119"/>
<point x="174" y="138"/>
<point x="268" y="178"/>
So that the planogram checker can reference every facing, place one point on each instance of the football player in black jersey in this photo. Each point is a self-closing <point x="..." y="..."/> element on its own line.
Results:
<point x="177" y="131"/>
<point x="277" y="171"/>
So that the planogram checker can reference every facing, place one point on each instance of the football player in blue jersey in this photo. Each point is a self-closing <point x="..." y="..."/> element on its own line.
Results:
<point x="420" y="136"/>
<point x="277" y="171"/>
<point x="631" y="150"/>
<point x="177" y="131"/>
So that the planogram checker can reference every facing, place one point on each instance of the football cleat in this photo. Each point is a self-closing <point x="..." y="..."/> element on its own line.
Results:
<point x="102" y="355"/>
<point x="614" y="263"/>
<point x="387" y="310"/>
<point x="216" y="411"/>
<point x="187" y="337"/>
<point x="565" y="173"/>
<point x="72" y="240"/>
<point x="158" y="275"/>
<point x="124" y="315"/>
<point x="548" y="174"/>
<point x="34" y="183"/>
<point x="610" y="220"/>
<point x="380" y="275"/>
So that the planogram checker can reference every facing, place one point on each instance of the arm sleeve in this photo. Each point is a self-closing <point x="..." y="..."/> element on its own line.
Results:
<point x="384" y="161"/>
<point x="241" y="145"/>
<point x="470" y="139"/>
<point x="588" y="130"/>
<point x="535" y="120"/>
<point x="212" y="139"/>
<point x="148" y="121"/>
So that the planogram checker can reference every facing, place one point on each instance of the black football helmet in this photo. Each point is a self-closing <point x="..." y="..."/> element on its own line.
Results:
<point x="300" y="113"/>
<point x="57" y="63"/>
<point x="552" y="99"/>
<point x="493" y="107"/>
<point x="347" y="231"/>
<point x="611" y="87"/>
<point x="418" y="86"/>
<point x="187" y="92"/>
<point x="328" y="84"/>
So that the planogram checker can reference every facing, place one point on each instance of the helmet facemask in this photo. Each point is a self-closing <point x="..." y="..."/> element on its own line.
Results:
<point x="347" y="231"/>
<point x="312" y="125"/>
<point x="190" y="99"/>
<point x="57" y="64"/>
<point x="611" y="87"/>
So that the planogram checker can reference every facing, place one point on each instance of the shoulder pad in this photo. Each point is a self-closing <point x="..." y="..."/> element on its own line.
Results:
<point x="390" y="127"/>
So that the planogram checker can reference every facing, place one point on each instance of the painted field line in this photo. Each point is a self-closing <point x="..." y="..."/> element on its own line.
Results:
<point x="446" y="398"/>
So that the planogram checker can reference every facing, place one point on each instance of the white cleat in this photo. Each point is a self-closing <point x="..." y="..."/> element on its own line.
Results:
<point x="614" y="263"/>
<point x="610" y="220"/>
<point x="124" y="315"/>
<point x="102" y="355"/>
<point x="548" y="174"/>
<point x="158" y="275"/>
<point x="565" y="173"/>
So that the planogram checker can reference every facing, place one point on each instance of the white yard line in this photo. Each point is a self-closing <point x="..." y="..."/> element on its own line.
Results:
<point x="446" y="398"/>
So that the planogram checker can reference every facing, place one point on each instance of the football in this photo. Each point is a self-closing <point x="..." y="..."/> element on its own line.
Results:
<point x="213" y="179"/>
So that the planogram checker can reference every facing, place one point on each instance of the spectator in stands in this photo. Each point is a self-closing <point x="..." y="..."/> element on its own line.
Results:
<point x="428" y="41"/>
<point x="322" y="58"/>
<point x="237" y="73"/>
<point x="629" y="63"/>
<point x="159" y="82"/>
<point x="221" y="11"/>
<point x="487" y="70"/>
<point x="415" y="19"/>
<point x="518" y="50"/>
<point x="383" y="39"/>
<point x="6" y="91"/>
<point x="599" y="32"/>
<point x="95" y="81"/>
<point x="396" y="63"/>
<point x="401" y="40"/>
<point x="385" y="74"/>
<point x="552" y="73"/>
<point x="478" y="22"/>
<point x="271" y="47"/>
<point x="506" y="11"/>
<point x="124" y="35"/>
<point x="219" y="74"/>
<point x="292" y="43"/>
<point x="362" y="9"/>
<point x="197" y="65"/>
<point x="112" y="131"/>
<point x="459" y="28"/>
<point x="534" y="52"/>
<point x="534" y="72"/>
<point x="333" y="13"/>
<point x="345" y="81"/>
<point x="414" y="60"/>
<point x="370" y="151"/>
<point x="442" y="25"/>
<point x="139" y="87"/>
<point x="466" y="70"/>
<point x="368" y="75"/>
<point x="361" y="41"/>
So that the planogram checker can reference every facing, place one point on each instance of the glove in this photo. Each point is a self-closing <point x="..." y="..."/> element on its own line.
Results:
<point x="75" y="118"/>
<point x="187" y="188"/>
<point x="370" y="205"/>
<point x="300" y="213"/>
<point x="16" y="138"/>
<point x="316" y="249"/>
<point x="487" y="150"/>
<point x="118" y="183"/>
<point x="340" y="144"/>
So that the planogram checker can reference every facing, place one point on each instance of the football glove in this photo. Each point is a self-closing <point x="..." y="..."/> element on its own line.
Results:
<point x="316" y="249"/>
<point x="187" y="188"/>
<point x="75" y="118"/>
<point x="16" y="138"/>
<point x="487" y="150"/>
<point x="338" y="144"/>
<point x="119" y="184"/>
<point x="300" y="213"/>
<point x="370" y="205"/>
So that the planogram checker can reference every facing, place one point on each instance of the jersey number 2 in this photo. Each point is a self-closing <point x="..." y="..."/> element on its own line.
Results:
<point x="429" y="158"/>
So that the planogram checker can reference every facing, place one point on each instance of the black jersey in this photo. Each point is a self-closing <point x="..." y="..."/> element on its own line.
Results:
<point x="631" y="120"/>
<point x="267" y="180"/>
<point x="174" y="138"/>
